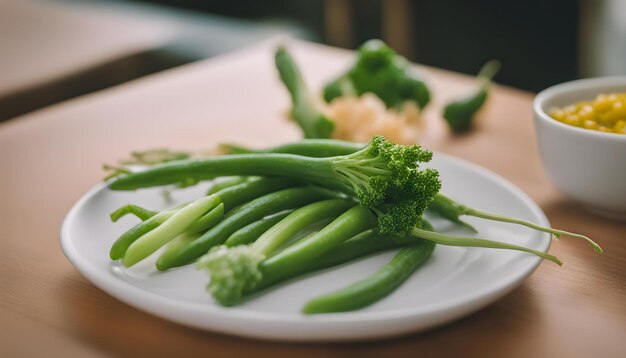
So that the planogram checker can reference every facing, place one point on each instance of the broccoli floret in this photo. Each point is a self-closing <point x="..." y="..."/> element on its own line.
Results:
<point x="233" y="270"/>
<point x="380" y="70"/>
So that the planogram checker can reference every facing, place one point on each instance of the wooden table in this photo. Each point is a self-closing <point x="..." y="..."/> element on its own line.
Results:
<point x="51" y="157"/>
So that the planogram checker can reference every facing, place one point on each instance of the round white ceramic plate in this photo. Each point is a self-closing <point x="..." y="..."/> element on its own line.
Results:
<point x="453" y="283"/>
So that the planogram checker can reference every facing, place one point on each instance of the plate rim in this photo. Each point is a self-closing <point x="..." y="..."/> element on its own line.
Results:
<point x="146" y="300"/>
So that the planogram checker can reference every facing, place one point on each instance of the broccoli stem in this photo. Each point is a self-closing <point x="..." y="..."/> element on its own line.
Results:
<point x="447" y="240"/>
<point x="175" y="225"/>
<point x="312" y="121"/>
<point x="452" y="209"/>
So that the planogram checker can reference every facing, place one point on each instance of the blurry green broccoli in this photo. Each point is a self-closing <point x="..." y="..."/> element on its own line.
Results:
<point x="381" y="71"/>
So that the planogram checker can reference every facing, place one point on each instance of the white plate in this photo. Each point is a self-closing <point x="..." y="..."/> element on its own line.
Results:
<point x="452" y="284"/>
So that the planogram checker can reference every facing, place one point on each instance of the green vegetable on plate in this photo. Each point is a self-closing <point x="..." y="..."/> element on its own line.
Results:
<point x="234" y="270"/>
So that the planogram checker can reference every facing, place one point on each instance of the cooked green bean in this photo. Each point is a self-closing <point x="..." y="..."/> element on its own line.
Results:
<point x="228" y="182"/>
<point x="172" y="227"/>
<point x="142" y="213"/>
<point x="231" y="197"/>
<point x="375" y="287"/>
<point x="365" y="243"/>
<point x="299" y="255"/>
<point x="307" y="147"/>
<point x="250" y="212"/>
<point x="251" y="232"/>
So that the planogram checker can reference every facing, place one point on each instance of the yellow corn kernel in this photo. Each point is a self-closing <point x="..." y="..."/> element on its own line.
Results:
<point x="570" y="109"/>
<point x="619" y="108"/>
<point x="557" y="114"/>
<point x="572" y="120"/>
<point x="606" y="113"/>
<point x="586" y="113"/>
<point x="602" y="103"/>
<point x="590" y="124"/>
<point x="608" y="118"/>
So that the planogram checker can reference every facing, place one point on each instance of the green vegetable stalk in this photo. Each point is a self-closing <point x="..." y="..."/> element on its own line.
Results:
<point x="378" y="285"/>
<point x="379" y="70"/>
<point x="248" y="213"/>
<point x="230" y="197"/>
<point x="249" y="233"/>
<point x="313" y="122"/>
<point x="459" y="114"/>
<point x="172" y="227"/>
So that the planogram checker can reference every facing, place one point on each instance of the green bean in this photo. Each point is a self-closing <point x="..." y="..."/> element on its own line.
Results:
<point x="230" y="196"/>
<point x="236" y="195"/>
<point x="172" y="227"/>
<point x="228" y="182"/>
<point x="119" y="247"/>
<point x="365" y="243"/>
<point x="375" y="287"/>
<point x="142" y="213"/>
<point x="296" y="257"/>
<point x="246" y="214"/>
<point x="307" y="147"/>
<point x="251" y="232"/>
<point x="207" y="220"/>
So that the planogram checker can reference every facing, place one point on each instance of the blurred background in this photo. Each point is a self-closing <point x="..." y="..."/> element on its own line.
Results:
<point x="53" y="50"/>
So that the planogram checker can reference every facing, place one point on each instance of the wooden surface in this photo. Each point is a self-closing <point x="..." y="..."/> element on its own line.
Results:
<point x="51" y="157"/>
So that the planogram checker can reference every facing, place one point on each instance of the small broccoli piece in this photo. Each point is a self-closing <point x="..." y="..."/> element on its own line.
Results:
<point x="380" y="70"/>
<point x="304" y="111"/>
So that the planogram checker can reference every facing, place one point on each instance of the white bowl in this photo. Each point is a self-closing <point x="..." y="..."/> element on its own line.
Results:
<point x="588" y="166"/>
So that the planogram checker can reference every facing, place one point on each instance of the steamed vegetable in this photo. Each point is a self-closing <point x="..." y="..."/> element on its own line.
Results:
<point x="378" y="285"/>
<point x="242" y="216"/>
<point x="230" y="197"/>
<point x="383" y="176"/>
<point x="234" y="270"/>
<point x="313" y="122"/>
<point x="249" y="233"/>
<point x="380" y="70"/>
<point x="460" y="114"/>
<point x="441" y="204"/>
<point x="306" y="147"/>
<point x="172" y="227"/>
